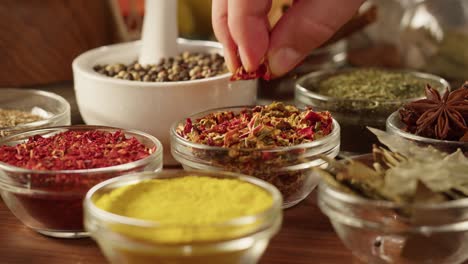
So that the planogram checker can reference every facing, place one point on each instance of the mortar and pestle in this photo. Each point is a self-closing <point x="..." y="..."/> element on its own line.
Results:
<point x="152" y="107"/>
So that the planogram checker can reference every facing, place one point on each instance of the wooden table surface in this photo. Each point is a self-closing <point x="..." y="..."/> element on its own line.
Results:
<point x="306" y="235"/>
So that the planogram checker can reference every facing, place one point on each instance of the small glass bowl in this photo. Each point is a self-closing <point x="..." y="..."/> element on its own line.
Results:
<point x="53" y="108"/>
<point x="355" y="115"/>
<point x="396" y="126"/>
<point x="287" y="168"/>
<point x="382" y="231"/>
<point x="432" y="38"/>
<point x="55" y="209"/>
<point x="127" y="247"/>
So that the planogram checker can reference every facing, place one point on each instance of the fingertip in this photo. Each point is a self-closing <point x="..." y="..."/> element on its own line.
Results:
<point x="283" y="60"/>
<point x="249" y="61"/>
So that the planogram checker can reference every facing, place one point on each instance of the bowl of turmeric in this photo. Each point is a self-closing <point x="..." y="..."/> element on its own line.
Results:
<point x="182" y="216"/>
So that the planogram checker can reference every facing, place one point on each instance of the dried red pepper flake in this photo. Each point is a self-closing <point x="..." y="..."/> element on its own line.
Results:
<point x="75" y="150"/>
<point x="263" y="72"/>
<point x="59" y="205"/>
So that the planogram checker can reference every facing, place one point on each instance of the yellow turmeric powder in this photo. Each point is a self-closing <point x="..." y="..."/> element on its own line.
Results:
<point x="187" y="209"/>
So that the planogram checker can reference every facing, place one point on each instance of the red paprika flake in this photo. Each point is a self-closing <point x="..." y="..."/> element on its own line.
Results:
<point x="55" y="202"/>
<point x="75" y="150"/>
<point x="263" y="72"/>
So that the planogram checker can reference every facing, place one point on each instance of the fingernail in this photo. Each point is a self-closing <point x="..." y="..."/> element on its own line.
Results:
<point x="283" y="60"/>
<point x="229" y="63"/>
<point x="245" y="60"/>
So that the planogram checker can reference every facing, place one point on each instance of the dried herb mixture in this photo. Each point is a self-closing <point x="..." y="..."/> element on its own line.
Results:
<point x="375" y="84"/>
<point x="254" y="141"/>
<point x="438" y="116"/>
<point x="270" y="126"/>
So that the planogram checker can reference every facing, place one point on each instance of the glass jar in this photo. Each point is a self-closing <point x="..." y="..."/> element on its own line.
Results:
<point x="434" y="34"/>
<point x="385" y="232"/>
<point x="355" y="115"/>
<point x="288" y="168"/>
<point x="252" y="232"/>
<point x="53" y="108"/>
<point x="50" y="202"/>
<point x="396" y="126"/>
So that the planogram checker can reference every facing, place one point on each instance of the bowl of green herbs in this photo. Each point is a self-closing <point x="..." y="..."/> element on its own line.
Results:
<point x="361" y="97"/>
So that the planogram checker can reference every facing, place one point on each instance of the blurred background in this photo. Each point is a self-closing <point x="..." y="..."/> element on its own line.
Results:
<point x="47" y="35"/>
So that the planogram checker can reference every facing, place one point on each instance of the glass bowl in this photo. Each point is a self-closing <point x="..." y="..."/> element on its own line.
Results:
<point x="53" y="108"/>
<point x="252" y="233"/>
<point x="287" y="168"/>
<point x="50" y="202"/>
<point x="382" y="231"/>
<point x="433" y="33"/>
<point x="396" y="126"/>
<point x="354" y="115"/>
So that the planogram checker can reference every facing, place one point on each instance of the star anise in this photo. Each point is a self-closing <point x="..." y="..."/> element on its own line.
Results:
<point x="441" y="117"/>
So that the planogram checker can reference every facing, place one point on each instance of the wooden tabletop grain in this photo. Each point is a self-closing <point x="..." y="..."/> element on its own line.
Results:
<point x="305" y="237"/>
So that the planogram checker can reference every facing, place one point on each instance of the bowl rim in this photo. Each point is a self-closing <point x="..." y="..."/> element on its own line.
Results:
<point x="393" y="128"/>
<point x="339" y="196"/>
<point x="301" y="91"/>
<point x="49" y="95"/>
<point x="268" y="214"/>
<point x="121" y="167"/>
<point x="333" y="134"/>
<point x="79" y="64"/>
<point x="351" y="199"/>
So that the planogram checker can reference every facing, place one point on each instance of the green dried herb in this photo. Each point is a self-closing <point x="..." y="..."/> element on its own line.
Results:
<point x="374" y="84"/>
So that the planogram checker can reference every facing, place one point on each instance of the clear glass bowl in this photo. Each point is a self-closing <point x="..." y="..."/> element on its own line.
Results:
<point x="246" y="246"/>
<point x="287" y="168"/>
<point x="396" y="126"/>
<point x="382" y="232"/>
<point x="50" y="202"/>
<point x="53" y="108"/>
<point x="433" y="37"/>
<point x="354" y="115"/>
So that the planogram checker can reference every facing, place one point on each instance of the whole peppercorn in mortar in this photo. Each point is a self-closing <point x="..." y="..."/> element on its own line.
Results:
<point x="183" y="67"/>
<point x="262" y="141"/>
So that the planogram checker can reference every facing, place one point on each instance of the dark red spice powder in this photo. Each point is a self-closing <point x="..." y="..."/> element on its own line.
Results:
<point x="61" y="207"/>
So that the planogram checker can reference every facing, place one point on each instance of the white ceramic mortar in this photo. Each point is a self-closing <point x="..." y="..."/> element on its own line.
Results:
<point x="151" y="107"/>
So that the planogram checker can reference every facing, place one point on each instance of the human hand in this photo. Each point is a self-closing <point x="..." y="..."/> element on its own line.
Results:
<point x="243" y="29"/>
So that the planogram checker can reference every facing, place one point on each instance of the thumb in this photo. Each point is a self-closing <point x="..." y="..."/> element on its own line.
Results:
<point x="305" y="26"/>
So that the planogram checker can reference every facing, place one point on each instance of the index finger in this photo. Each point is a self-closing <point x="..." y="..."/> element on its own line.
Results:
<point x="249" y="28"/>
<point x="219" y="17"/>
